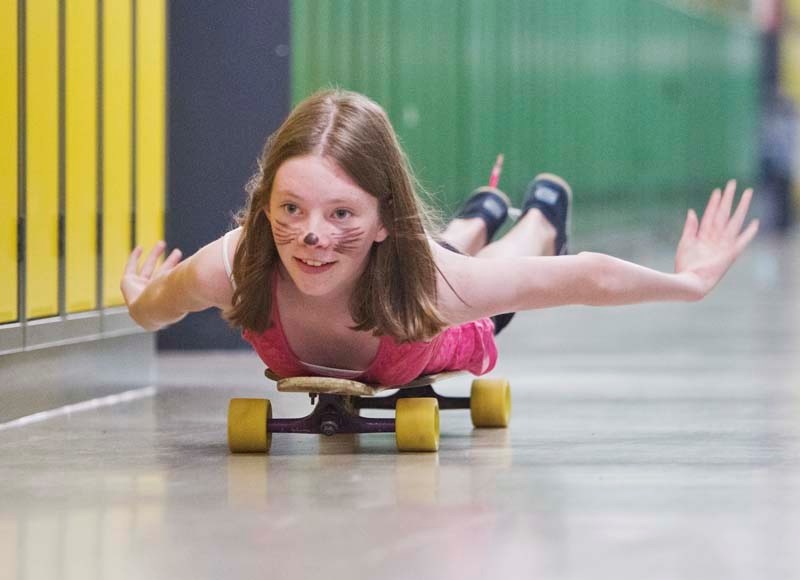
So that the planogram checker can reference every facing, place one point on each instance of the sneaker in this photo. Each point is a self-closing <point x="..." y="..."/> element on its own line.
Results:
<point x="488" y="203"/>
<point x="552" y="196"/>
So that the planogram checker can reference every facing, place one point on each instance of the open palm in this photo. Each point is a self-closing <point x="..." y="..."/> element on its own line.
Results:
<point x="708" y="247"/>
<point x="136" y="279"/>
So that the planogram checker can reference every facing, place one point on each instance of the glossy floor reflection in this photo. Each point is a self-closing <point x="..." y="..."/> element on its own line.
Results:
<point x="650" y="442"/>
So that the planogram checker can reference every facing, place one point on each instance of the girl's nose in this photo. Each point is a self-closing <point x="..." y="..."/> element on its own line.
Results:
<point x="314" y="234"/>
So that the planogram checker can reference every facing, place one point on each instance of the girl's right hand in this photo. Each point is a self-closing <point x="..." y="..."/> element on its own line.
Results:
<point x="135" y="280"/>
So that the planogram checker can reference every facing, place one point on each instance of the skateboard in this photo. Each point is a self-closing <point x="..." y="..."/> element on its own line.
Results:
<point x="338" y="402"/>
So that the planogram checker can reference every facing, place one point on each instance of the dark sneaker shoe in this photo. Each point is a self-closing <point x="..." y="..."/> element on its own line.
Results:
<point x="489" y="204"/>
<point x="552" y="196"/>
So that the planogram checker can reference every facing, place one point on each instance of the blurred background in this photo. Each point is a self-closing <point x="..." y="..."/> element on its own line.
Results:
<point x="125" y="121"/>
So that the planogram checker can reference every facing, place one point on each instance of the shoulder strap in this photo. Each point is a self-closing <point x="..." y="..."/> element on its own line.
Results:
<point x="226" y="259"/>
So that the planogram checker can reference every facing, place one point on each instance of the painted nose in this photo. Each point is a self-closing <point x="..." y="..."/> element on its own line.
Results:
<point x="314" y="234"/>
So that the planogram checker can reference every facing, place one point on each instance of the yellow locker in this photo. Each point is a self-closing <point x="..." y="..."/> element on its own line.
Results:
<point x="151" y="59"/>
<point x="81" y="154"/>
<point x="117" y="144"/>
<point x="8" y="162"/>
<point x="41" y="170"/>
<point x="789" y="63"/>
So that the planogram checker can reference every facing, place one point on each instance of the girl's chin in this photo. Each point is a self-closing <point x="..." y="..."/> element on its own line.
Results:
<point x="310" y="284"/>
<point x="314" y="287"/>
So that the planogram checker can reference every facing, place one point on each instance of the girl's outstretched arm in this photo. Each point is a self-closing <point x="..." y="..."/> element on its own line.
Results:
<point x="158" y="296"/>
<point x="471" y="288"/>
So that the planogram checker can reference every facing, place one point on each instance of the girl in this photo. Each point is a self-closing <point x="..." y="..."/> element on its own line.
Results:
<point x="333" y="271"/>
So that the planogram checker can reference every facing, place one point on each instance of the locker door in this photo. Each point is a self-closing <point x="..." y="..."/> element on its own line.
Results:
<point x="789" y="58"/>
<point x="151" y="57"/>
<point x="8" y="162"/>
<point x="117" y="144"/>
<point x="42" y="157"/>
<point x="81" y="154"/>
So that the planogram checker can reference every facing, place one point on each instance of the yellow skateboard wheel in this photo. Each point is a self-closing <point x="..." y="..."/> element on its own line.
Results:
<point x="417" y="424"/>
<point x="248" y="425"/>
<point x="490" y="403"/>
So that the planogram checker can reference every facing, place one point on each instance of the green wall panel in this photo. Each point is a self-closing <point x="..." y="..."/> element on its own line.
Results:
<point x="640" y="106"/>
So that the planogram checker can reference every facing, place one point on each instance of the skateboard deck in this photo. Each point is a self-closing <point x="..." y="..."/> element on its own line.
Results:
<point x="348" y="387"/>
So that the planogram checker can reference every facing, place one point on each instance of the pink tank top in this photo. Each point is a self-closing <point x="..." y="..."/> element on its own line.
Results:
<point x="469" y="347"/>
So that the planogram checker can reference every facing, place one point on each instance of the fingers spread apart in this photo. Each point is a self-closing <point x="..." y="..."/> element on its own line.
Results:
<point x="734" y="226"/>
<point x="152" y="259"/>
<point x="706" y="223"/>
<point x="717" y="221"/>
<point x="724" y="210"/>
<point x="133" y="260"/>
<point x="172" y="260"/>
<point x="151" y="263"/>
<point x="690" y="227"/>
<point x="720" y="225"/>
<point x="746" y="237"/>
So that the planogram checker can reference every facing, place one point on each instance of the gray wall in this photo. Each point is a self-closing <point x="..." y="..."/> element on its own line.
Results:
<point x="229" y="88"/>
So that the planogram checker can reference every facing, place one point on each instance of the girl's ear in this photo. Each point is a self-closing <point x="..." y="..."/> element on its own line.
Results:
<point x="382" y="234"/>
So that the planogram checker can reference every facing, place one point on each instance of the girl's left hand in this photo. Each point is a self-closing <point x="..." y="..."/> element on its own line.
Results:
<point x="710" y="246"/>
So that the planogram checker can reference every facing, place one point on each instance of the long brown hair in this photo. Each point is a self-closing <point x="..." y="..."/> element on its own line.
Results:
<point x="396" y="294"/>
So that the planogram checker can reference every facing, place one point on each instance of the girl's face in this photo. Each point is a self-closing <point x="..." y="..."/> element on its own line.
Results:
<point x="324" y="225"/>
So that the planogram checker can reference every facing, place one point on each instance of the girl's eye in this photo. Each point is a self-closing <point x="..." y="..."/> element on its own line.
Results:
<point x="342" y="213"/>
<point x="290" y="208"/>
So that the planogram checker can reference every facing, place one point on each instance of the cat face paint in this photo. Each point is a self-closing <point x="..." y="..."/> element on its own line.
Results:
<point x="323" y="224"/>
<point x="348" y="241"/>
<point x="282" y="232"/>
<point x="345" y="241"/>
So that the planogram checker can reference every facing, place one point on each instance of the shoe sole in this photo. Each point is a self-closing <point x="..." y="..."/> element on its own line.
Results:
<point x="495" y="191"/>
<point x="560" y="181"/>
<point x="555" y="179"/>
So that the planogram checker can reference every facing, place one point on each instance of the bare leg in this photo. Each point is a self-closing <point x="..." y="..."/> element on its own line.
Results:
<point x="468" y="235"/>
<point x="533" y="235"/>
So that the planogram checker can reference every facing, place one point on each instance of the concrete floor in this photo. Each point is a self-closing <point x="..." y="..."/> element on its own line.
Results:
<point x="655" y="441"/>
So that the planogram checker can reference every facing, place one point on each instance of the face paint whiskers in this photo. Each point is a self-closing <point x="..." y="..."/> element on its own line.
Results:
<point x="348" y="240"/>
<point x="283" y="233"/>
